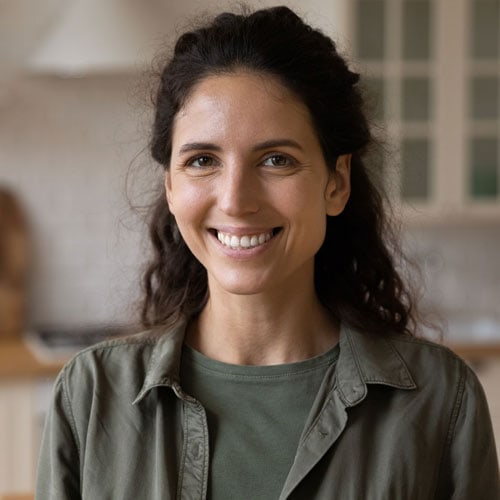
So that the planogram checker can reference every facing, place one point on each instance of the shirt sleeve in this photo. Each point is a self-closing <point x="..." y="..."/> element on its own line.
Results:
<point x="59" y="460"/>
<point x="472" y="461"/>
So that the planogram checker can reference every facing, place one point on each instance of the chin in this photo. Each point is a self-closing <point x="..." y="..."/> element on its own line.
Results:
<point x="240" y="286"/>
<point x="236" y="289"/>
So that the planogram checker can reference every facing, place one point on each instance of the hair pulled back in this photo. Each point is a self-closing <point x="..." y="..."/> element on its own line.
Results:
<point x="355" y="276"/>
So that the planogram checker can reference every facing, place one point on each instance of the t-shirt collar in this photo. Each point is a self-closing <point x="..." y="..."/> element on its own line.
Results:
<point x="364" y="359"/>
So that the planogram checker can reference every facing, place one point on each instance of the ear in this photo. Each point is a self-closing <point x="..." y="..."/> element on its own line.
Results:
<point x="338" y="188"/>
<point x="168" y="191"/>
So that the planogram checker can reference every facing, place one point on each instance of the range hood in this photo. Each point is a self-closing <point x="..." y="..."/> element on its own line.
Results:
<point x="23" y="26"/>
<point x="96" y="36"/>
<point x="82" y="37"/>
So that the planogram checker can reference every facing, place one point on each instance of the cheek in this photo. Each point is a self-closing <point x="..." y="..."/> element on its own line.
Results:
<point x="308" y="209"/>
<point x="189" y="205"/>
<point x="307" y="203"/>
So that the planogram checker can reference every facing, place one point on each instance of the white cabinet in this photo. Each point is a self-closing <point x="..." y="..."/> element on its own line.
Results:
<point x="433" y="68"/>
<point x="23" y="404"/>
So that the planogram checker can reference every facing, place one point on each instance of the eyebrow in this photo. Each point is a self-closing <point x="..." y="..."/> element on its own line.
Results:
<point x="208" y="146"/>
<point x="276" y="143"/>
<point x="197" y="146"/>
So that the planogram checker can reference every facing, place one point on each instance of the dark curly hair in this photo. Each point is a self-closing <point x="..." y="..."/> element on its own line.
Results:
<point x="355" y="274"/>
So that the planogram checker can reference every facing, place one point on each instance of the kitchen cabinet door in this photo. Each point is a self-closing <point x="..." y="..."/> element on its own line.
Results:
<point x="432" y="71"/>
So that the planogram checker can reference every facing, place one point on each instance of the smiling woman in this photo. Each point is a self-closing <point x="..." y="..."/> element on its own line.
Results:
<point x="281" y="358"/>
<point x="257" y="173"/>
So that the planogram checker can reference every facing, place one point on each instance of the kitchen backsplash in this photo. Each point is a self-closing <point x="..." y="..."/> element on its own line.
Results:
<point x="460" y="265"/>
<point x="67" y="146"/>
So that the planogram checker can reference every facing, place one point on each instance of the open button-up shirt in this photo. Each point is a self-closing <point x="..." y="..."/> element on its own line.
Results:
<point x="398" y="418"/>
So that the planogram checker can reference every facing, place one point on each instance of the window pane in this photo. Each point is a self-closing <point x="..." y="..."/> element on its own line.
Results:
<point x="370" y="29"/>
<point x="484" y="168"/>
<point x="484" y="97"/>
<point x="485" y="27"/>
<point x="416" y="29"/>
<point x="416" y="99"/>
<point x="375" y="96"/>
<point x="416" y="171"/>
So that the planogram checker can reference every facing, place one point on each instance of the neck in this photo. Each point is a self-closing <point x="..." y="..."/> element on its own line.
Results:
<point x="263" y="329"/>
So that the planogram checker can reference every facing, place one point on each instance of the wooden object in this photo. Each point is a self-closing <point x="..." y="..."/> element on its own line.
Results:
<point x="14" y="265"/>
<point x="17" y="361"/>
<point x="18" y="496"/>
<point x="476" y="350"/>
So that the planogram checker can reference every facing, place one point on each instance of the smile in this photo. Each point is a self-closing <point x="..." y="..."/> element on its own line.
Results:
<point x="245" y="241"/>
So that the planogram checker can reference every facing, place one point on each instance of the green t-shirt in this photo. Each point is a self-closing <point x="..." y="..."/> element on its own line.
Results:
<point x="255" y="415"/>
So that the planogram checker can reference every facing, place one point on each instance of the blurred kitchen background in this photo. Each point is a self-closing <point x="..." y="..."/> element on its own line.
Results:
<point x="74" y="119"/>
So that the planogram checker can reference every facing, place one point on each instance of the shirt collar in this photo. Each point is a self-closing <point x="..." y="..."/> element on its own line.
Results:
<point x="164" y="364"/>
<point x="368" y="359"/>
<point x="363" y="359"/>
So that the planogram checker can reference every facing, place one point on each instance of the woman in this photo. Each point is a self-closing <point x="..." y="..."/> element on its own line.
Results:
<point x="280" y="360"/>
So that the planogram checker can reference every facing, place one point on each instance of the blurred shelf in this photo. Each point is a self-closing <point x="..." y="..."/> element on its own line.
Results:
<point x="430" y="215"/>
<point x="17" y="361"/>
<point x="476" y="350"/>
<point x="17" y="496"/>
<point x="59" y="344"/>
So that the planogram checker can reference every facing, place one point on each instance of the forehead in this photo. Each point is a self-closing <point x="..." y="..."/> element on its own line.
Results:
<point x="254" y="82"/>
<point x="243" y="100"/>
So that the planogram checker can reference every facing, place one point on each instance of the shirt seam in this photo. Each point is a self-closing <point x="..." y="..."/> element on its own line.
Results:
<point x="428" y="343"/>
<point x="453" y="420"/>
<point x="184" y="450"/>
<point x="110" y="344"/>
<point x="185" y="453"/>
<point x="71" y="418"/>
<point x="206" y="454"/>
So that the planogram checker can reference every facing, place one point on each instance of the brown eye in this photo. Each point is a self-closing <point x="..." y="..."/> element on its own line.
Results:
<point x="201" y="161"/>
<point x="278" y="161"/>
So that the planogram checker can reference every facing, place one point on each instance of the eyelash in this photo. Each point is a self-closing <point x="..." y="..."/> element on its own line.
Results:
<point x="289" y="160"/>
<point x="194" y="159"/>
<point x="214" y="162"/>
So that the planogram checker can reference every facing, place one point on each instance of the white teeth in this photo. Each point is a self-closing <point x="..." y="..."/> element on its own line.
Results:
<point x="247" y="241"/>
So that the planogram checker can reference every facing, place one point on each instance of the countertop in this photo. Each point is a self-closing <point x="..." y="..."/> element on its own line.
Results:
<point x="17" y="361"/>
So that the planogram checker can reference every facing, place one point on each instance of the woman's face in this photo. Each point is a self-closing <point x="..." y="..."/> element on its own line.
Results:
<point x="248" y="184"/>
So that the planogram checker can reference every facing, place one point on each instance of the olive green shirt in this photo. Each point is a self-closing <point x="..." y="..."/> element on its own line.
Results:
<point x="398" y="418"/>
<point x="255" y="417"/>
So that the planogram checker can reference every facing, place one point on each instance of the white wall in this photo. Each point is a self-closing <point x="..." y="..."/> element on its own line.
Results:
<point x="66" y="146"/>
<point x="461" y="272"/>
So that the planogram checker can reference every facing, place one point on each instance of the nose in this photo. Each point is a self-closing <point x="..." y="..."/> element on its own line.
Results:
<point x="239" y="190"/>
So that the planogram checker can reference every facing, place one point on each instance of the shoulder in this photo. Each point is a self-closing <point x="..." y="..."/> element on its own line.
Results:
<point x="136" y="349"/>
<point x="434" y="365"/>
<point x="419" y="349"/>
<point x="120" y="365"/>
